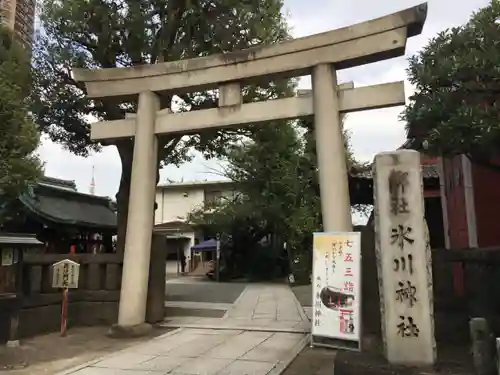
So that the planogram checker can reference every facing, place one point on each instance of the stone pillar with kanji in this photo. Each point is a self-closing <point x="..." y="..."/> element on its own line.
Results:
<point x="403" y="259"/>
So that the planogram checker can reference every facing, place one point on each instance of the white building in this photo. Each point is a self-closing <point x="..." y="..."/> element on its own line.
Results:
<point x="175" y="202"/>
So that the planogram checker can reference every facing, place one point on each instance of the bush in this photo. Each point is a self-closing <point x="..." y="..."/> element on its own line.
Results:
<point x="265" y="263"/>
<point x="302" y="267"/>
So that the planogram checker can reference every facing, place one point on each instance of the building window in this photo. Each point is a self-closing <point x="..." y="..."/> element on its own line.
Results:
<point x="213" y="197"/>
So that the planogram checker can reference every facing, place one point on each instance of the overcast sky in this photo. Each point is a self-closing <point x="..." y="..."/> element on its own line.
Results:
<point x="372" y="131"/>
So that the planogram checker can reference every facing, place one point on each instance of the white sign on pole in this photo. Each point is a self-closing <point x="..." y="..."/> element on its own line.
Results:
<point x="336" y="320"/>
<point x="65" y="274"/>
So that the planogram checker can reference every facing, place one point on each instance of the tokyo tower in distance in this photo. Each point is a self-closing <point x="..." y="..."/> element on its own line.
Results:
<point x="92" y="182"/>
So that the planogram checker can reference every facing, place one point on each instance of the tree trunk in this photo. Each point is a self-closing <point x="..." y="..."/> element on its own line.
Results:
<point x="126" y="151"/>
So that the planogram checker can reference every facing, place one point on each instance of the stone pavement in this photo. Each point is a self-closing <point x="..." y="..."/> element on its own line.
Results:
<point x="259" y="335"/>
<point x="264" y="307"/>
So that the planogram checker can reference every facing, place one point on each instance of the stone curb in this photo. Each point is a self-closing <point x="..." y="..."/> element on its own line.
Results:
<point x="302" y="313"/>
<point x="199" y="305"/>
<point x="237" y="328"/>
<point x="235" y="303"/>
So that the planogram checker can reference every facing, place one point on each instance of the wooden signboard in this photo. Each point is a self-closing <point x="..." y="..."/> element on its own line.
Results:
<point x="65" y="274"/>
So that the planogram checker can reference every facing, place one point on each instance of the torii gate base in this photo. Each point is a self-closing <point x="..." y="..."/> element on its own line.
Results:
<point x="320" y="55"/>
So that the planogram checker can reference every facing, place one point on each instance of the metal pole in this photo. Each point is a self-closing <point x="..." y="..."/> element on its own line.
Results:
<point x="218" y="258"/>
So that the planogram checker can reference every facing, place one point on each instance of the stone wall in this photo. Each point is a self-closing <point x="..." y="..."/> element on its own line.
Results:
<point x="96" y="300"/>
<point x="42" y="319"/>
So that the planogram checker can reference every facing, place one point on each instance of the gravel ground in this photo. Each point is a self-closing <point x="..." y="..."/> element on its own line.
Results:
<point x="320" y="361"/>
<point x="48" y="354"/>
<point x="451" y="361"/>
<point x="51" y="353"/>
<point x="312" y="361"/>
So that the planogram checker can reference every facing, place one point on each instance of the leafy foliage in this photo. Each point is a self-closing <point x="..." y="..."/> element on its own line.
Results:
<point x="108" y="34"/>
<point x="19" y="138"/>
<point x="121" y="33"/>
<point x="457" y="77"/>
<point x="277" y="198"/>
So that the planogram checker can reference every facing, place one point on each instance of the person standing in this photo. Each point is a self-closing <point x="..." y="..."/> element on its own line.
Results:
<point x="183" y="262"/>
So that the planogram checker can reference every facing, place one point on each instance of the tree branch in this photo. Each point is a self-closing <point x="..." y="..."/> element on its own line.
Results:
<point x="168" y="31"/>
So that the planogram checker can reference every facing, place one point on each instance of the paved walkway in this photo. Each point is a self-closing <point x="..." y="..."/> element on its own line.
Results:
<point x="260" y="335"/>
<point x="261" y="307"/>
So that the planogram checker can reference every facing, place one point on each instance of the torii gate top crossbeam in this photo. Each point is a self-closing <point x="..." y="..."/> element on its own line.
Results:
<point x="359" y="44"/>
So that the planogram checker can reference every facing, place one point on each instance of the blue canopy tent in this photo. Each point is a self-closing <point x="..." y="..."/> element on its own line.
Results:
<point x="201" y="253"/>
<point x="209" y="245"/>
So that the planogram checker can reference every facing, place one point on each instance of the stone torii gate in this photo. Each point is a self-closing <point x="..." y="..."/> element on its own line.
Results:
<point x="320" y="55"/>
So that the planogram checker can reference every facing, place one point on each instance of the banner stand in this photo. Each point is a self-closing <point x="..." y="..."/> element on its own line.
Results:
<point x="336" y="297"/>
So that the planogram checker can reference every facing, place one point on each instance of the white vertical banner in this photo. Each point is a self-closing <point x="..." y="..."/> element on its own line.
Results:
<point x="336" y="318"/>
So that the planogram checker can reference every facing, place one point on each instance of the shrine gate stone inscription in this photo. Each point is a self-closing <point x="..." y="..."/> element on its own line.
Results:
<point x="320" y="55"/>
<point x="403" y="259"/>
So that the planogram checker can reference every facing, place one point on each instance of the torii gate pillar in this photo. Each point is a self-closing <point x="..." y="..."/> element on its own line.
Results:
<point x="134" y="288"/>
<point x="334" y="188"/>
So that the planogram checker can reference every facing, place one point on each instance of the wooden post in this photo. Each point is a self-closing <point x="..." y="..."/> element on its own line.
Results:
<point x="217" y="265"/>
<point x="64" y="312"/>
<point x="482" y="347"/>
<point x="498" y="354"/>
<point x="64" y="302"/>
<point x="65" y="276"/>
<point x="13" y="340"/>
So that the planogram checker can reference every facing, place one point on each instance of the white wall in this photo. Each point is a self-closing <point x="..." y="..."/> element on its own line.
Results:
<point x="176" y="204"/>
<point x="186" y="248"/>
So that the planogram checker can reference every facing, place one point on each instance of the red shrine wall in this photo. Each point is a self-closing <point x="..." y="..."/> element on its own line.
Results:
<point x="454" y="189"/>
<point x="487" y="202"/>
<point x="472" y="203"/>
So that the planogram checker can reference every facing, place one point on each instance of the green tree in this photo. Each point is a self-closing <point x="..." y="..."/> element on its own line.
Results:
<point x="277" y="183"/>
<point x="119" y="33"/>
<point x="456" y="107"/>
<point x="19" y="138"/>
<point x="278" y="194"/>
<point x="271" y="199"/>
